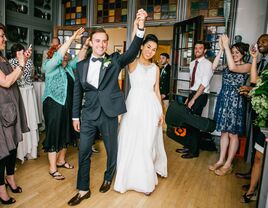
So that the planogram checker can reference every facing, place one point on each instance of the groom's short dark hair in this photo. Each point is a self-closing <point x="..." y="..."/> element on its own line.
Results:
<point x="98" y="30"/>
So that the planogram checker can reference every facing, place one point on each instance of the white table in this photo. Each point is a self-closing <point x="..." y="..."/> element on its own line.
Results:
<point x="39" y="88"/>
<point x="27" y="148"/>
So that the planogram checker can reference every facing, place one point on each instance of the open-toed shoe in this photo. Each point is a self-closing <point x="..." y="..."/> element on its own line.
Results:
<point x="16" y="190"/>
<point x="56" y="175"/>
<point x="11" y="200"/>
<point x="215" y="166"/>
<point x="65" y="165"/>
<point x="246" y="198"/>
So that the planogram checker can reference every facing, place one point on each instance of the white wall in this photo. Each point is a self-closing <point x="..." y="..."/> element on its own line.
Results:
<point x="117" y="36"/>
<point x="251" y="19"/>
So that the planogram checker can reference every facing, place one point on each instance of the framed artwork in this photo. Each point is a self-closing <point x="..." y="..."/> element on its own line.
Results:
<point x="119" y="48"/>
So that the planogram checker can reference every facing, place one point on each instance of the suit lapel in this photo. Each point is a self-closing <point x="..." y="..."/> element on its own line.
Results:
<point x="85" y="71"/>
<point x="102" y="73"/>
<point x="103" y="70"/>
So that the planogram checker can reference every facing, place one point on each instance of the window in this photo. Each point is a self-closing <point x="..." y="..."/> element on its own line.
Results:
<point x="159" y="9"/>
<point x="111" y="11"/>
<point x="75" y="12"/>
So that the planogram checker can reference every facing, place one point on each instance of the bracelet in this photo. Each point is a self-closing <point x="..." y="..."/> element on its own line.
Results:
<point x="141" y="29"/>
<point x="21" y="68"/>
<point x="85" y="47"/>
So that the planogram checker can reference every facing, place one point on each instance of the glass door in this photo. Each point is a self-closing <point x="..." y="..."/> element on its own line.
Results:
<point x="185" y="34"/>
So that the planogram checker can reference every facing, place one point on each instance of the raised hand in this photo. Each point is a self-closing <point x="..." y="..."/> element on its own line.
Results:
<point x="78" y="33"/>
<point x="140" y="18"/>
<point x="254" y="52"/>
<point x="225" y="41"/>
<point x="87" y="42"/>
<point x="21" y="57"/>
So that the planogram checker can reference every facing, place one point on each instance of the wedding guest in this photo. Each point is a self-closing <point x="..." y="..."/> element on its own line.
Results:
<point x="29" y="98"/>
<point x="256" y="70"/>
<point x="200" y="75"/>
<point x="28" y="73"/>
<point x="57" y="102"/>
<point x="12" y="118"/>
<point x="230" y="106"/>
<point x="164" y="82"/>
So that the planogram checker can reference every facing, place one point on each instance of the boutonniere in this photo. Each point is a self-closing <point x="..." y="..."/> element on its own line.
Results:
<point x="106" y="62"/>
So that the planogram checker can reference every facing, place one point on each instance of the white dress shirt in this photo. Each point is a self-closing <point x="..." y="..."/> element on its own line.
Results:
<point x="95" y="67"/>
<point x="203" y="73"/>
<point x="93" y="72"/>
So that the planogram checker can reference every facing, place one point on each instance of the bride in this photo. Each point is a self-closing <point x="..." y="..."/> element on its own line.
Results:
<point x="141" y="154"/>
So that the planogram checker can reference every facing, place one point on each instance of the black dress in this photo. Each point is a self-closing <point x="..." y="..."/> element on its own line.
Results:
<point x="58" y="121"/>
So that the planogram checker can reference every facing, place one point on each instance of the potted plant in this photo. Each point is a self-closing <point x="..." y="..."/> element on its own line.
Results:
<point x="259" y="100"/>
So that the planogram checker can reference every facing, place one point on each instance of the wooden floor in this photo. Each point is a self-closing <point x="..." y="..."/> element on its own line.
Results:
<point x="189" y="185"/>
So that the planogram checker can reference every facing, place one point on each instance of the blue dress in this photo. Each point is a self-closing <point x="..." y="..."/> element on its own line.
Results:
<point x="230" y="106"/>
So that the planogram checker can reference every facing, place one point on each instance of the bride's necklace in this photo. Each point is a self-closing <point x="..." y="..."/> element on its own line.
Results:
<point x="146" y="64"/>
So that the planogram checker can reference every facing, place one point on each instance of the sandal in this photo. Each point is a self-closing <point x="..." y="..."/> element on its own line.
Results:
<point x="11" y="200"/>
<point x="223" y="171"/>
<point x="248" y="198"/>
<point x="66" y="165"/>
<point x="215" y="166"/>
<point x="56" y="175"/>
<point x="16" y="190"/>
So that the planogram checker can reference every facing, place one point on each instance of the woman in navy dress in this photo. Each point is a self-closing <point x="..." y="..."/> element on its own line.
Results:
<point x="230" y="106"/>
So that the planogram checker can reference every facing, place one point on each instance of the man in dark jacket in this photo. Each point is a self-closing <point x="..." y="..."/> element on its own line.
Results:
<point x="164" y="81"/>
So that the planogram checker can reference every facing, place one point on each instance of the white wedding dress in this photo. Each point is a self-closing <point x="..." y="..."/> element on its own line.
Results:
<point x="141" y="152"/>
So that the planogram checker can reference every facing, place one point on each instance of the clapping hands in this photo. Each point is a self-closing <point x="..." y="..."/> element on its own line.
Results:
<point x="225" y="41"/>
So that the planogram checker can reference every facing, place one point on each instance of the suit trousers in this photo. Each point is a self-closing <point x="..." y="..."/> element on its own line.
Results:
<point x="108" y="127"/>
<point x="193" y="134"/>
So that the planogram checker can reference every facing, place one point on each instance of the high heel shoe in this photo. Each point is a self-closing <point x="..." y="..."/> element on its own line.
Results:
<point x="246" y="198"/>
<point x="10" y="201"/>
<point x="214" y="166"/>
<point x="16" y="190"/>
<point x="223" y="171"/>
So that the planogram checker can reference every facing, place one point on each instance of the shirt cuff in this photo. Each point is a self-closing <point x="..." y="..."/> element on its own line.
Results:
<point x="75" y="119"/>
<point x="140" y="33"/>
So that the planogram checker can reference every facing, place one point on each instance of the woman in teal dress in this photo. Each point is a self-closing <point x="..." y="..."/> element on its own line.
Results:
<point x="230" y="106"/>
<point x="57" y="103"/>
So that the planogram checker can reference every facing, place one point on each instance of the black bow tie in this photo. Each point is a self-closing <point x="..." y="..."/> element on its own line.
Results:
<point x="96" y="59"/>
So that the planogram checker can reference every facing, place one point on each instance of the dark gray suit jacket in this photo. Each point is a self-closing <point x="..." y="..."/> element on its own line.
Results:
<point x="108" y="96"/>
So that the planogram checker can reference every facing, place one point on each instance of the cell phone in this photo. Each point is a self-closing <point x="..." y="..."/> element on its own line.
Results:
<point x="30" y="46"/>
<point x="254" y="47"/>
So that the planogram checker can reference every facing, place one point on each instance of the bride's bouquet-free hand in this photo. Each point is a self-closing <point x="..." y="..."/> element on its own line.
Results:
<point x="259" y="99"/>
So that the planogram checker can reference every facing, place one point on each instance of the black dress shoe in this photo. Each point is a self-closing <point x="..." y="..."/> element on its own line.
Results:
<point x="188" y="156"/>
<point x="77" y="198"/>
<point x="182" y="150"/>
<point x="243" y="175"/>
<point x="105" y="186"/>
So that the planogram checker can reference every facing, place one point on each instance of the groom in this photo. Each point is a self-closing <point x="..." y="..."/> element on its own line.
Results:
<point x="97" y="78"/>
